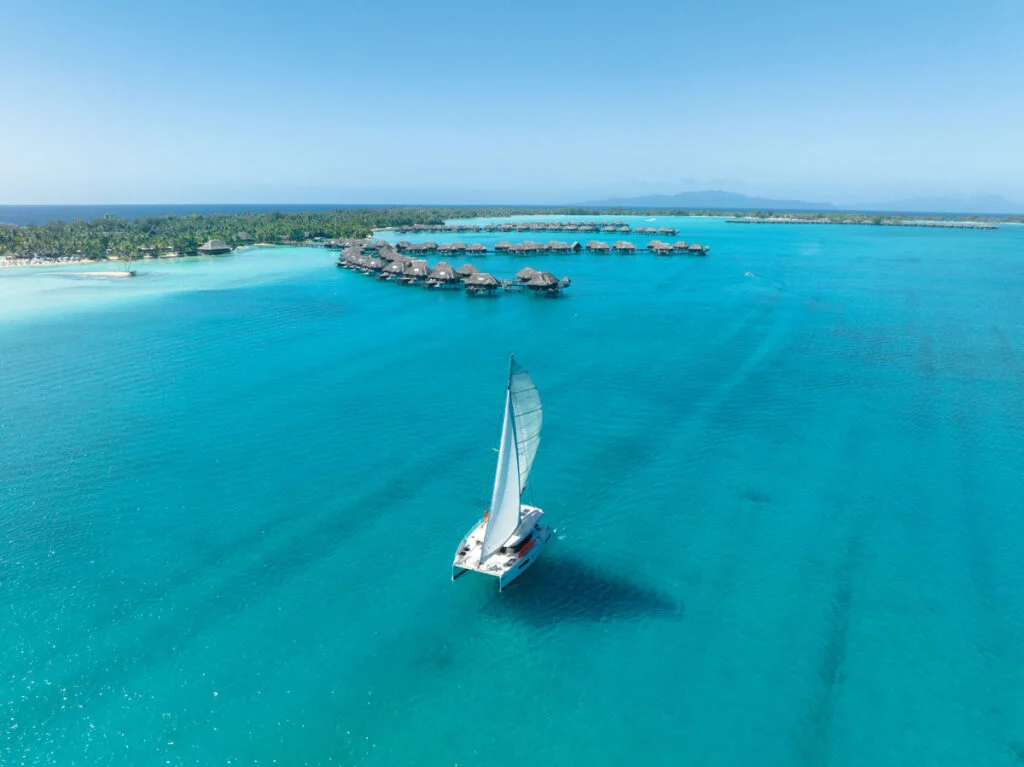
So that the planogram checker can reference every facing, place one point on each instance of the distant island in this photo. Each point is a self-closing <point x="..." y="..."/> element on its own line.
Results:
<point x="719" y="200"/>
<point x="713" y="199"/>
<point x="113" y="238"/>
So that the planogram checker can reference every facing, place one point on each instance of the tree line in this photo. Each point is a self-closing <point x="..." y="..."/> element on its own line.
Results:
<point x="120" y="237"/>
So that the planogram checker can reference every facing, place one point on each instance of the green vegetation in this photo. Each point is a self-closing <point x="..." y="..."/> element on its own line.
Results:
<point x="116" y="237"/>
<point x="124" y="239"/>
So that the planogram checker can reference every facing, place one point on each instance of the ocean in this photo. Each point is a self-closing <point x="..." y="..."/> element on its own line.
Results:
<point x="785" y="479"/>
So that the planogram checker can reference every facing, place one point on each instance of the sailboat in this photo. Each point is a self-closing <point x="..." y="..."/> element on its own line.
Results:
<point x="510" y="537"/>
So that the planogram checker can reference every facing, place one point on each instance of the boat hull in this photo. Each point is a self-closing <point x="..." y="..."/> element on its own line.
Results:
<point x="513" y="559"/>
<point x="506" y="579"/>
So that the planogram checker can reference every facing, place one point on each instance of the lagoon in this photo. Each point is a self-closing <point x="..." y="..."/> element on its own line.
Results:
<point x="785" y="480"/>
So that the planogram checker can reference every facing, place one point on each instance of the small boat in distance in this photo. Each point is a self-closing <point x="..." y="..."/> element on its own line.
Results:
<point x="510" y="537"/>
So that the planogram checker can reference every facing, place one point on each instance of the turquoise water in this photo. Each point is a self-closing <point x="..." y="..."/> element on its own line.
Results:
<point x="788" y="507"/>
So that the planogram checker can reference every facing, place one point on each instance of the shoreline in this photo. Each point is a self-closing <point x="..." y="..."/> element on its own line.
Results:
<point x="20" y="262"/>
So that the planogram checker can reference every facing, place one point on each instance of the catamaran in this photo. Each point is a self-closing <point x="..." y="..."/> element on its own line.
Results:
<point x="510" y="537"/>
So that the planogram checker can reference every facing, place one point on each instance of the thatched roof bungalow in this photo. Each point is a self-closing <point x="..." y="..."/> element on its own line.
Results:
<point x="243" y="237"/>
<point x="214" y="248"/>
<point x="696" y="249"/>
<point x="452" y="247"/>
<point x="428" y="247"/>
<point x="443" y="273"/>
<point x="416" y="269"/>
<point x="476" y="248"/>
<point x="545" y="281"/>
<point x="403" y="245"/>
<point x="655" y="244"/>
<point x="680" y="245"/>
<point x="394" y="269"/>
<point x="621" y="246"/>
<point x="596" y="246"/>
<point x="442" y="276"/>
<point x="526" y="274"/>
<point x="502" y="246"/>
<point x="481" y="282"/>
<point x="557" y="246"/>
<point x="663" y="249"/>
<point x="466" y="270"/>
<point x="667" y="230"/>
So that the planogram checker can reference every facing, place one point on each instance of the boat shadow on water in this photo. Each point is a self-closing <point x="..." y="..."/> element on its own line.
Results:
<point x="564" y="589"/>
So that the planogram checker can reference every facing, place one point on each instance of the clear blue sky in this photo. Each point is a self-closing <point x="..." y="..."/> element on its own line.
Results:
<point x="532" y="101"/>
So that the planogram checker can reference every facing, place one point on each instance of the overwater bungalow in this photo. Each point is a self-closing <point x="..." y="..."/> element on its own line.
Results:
<point x="696" y="249"/>
<point x="481" y="283"/>
<point x="503" y="246"/>
<point x="654" y="244"/>
<point x="596" y="246"/>
<point x="623" y="228"/>
<point x="680" y="245"/>
<point x="667" y="230"/>
<point x="526" y="274"/>
<point x="466" y="270"/>
<point x="451" y="247"/>
<point x="442" y="276"/>
<point x="476" y="249"/>
<point x="374" y="265"/>
<point x="621" y="246"/>
<point x="415" y="270"/>
<point x="428" y="247"/>
<point x="393" y="270"/>
<point x="214" y="248"/>
<point x="544" y="283"/>
<point x="575" y="247"/>
<point x="403" y="245"/>
<point x="662" y="249"/>
<point x="557" y="246"/>
<point x="610" y="229"/>
<point x="521" y="248"/>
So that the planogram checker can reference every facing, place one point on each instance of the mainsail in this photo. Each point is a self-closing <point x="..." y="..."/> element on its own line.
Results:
<point x="520" y="435"/>
<point x="503" y="517"/>
<point x="528" y="417"/>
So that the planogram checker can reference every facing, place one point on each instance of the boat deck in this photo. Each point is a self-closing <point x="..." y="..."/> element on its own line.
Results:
<point x="468" y="555"/>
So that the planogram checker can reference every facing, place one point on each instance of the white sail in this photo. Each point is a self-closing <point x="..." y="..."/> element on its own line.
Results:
<point x="503" y="517"/>
<point x="528" y="418"/>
